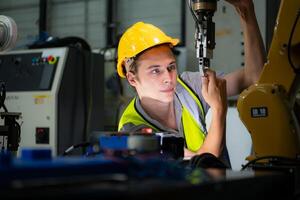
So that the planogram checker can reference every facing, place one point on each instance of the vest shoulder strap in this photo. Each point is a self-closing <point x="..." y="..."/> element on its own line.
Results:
<point x="192" y="93"/>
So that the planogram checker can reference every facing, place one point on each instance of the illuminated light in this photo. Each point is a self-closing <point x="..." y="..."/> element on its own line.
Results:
<point x="45" y="60"/>
<point x="146" y="130"/>
<point x="52" y="60"/>
<point x="34" y="60"/>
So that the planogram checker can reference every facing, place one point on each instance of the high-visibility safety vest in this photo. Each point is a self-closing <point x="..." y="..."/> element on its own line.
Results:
<point x="193" y="116"/>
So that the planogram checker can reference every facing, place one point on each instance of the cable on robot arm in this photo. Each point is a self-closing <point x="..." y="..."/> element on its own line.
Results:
<point x="2" y="96"/>
<point x="297" y="71"/>
<point x="197" y="21"/>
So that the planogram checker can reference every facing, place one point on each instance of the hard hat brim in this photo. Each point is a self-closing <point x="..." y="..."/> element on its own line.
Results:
<point x="172" y="41"/>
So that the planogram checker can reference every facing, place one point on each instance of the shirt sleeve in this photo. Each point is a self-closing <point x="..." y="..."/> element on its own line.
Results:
<point x="193" y="79"/>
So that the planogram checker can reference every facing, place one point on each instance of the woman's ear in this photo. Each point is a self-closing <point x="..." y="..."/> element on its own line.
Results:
<point x="131" y="78"/>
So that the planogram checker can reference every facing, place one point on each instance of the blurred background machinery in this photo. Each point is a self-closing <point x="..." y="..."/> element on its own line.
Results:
<point x="59" y="93"/>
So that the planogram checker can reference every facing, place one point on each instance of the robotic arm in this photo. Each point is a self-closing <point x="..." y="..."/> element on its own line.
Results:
<point x="268" y="108"/>
<point x="203" y="11"/>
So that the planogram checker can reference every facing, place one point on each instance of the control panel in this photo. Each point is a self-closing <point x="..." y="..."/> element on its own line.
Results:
<point x="58" y="91"/>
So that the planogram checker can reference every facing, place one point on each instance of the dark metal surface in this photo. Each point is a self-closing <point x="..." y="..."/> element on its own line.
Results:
<point x="272" y="7"/>
<point x="212" y="184"/>
<point x="43" y="16"/>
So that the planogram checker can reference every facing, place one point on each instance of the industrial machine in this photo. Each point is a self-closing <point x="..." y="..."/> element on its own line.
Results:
<point x="8" y="33"/>
<point x="10" y="130"/>
<point x="202" y="12"/>
<point x="268" y="108"/>
<point x="59" y="92"/>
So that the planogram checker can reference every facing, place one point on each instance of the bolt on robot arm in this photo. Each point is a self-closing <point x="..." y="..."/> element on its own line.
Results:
<point x="203" y="11"/>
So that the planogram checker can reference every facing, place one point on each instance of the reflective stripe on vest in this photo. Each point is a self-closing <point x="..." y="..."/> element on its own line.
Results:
<point x="193" y="116"/>
<point x="131" y="115"/>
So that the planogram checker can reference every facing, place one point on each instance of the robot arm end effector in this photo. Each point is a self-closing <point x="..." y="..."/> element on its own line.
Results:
<point x="203" y="11"/>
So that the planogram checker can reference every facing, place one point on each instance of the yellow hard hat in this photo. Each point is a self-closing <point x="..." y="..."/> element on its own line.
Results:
<point x="137" y="38"/>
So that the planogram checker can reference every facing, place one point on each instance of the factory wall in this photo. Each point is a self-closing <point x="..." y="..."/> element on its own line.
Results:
<point x="87" y="19"/>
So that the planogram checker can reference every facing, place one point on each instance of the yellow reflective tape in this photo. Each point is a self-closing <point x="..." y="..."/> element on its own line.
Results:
<point x="193" y="134"/>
